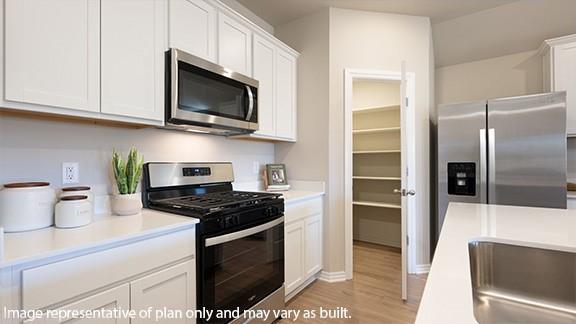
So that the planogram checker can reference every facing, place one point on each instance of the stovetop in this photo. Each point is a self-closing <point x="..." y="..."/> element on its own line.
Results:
<point x="208" y="204"/>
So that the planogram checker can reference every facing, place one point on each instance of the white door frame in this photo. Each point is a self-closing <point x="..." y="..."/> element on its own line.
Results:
<point x="360" y="74"/>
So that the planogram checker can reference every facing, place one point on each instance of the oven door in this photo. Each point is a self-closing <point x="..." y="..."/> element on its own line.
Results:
<point x="206" y="94"/>
<point x="241" y="268"/>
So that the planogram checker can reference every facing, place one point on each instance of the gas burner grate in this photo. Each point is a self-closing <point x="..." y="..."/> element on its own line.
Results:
<point x="216" y="201"/>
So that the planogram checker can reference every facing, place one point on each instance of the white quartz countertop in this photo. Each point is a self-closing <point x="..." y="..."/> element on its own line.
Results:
<point x="447" y="296"/>
<point x="106" y="230"/>
<point x="294" y="196"/>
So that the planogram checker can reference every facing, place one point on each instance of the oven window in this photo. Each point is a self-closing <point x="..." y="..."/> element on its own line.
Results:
<point x="205" y="92"/>
<point x="241" y="272"/>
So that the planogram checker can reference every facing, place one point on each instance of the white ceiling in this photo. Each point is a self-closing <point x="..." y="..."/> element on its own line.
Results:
<point x="278" y="12"/>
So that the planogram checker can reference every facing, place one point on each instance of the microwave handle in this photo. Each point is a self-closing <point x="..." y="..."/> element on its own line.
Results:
<point x="250" y="103"/>
<point x="241" y="234"/>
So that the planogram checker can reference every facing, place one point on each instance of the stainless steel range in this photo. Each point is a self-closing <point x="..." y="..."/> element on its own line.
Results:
<point x="240" y="237"/>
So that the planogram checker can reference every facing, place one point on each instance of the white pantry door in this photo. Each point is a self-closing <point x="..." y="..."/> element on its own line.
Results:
<point x="408" y="165"/>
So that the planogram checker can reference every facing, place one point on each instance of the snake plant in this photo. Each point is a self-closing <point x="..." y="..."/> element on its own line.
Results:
<point x="127" y="174"/>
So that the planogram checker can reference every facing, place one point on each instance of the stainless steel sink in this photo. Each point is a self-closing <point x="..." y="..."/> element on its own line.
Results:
<point x="518" y="284"/>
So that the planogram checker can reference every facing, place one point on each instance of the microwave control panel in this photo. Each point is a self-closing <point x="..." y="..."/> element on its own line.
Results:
<point x="462" y="179"/>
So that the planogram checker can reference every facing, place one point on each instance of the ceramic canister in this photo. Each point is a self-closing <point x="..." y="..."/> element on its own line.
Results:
<point x="73" y="211"/>
<point x="79" y="191"/>
<point x="26" y="206"/>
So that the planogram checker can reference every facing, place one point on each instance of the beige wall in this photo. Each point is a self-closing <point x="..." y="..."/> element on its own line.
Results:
<point x="505" y="76"/>
<point x="308" y="158"/>
<point x="331" y="41"/>
<point x="33" y="149"/>
<point x="369" y="40"/>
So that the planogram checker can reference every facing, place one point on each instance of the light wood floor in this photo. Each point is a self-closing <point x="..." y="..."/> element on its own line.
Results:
<point x="373" y="296"/>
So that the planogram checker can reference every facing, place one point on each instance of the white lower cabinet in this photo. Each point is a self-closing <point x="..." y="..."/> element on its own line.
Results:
<point x="115" y="298"/>
<point x="173" y="288"/>
<point x="313" y="233"/>
<point x="303" y="244"/>
<point x="157" y="273"/>
<point x="294" y="255"/>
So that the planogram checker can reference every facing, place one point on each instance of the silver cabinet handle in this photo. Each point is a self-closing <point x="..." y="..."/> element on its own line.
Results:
<point x="398" y="191"/>
<point x="483" y="173"/>
<point x="250" y="103"/>
<point x="411" y="193"/>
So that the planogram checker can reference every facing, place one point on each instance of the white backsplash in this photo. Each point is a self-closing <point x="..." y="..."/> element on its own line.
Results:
<point x="34" y="149"/>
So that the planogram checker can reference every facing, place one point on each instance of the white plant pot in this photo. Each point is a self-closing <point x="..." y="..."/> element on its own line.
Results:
<point x="125" y="205"/>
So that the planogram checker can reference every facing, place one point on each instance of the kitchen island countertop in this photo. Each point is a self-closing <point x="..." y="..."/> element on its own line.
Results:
<point x="447" y="297"/>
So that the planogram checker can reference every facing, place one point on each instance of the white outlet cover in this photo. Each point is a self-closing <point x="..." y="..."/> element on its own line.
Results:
<point x="70" y="172"/>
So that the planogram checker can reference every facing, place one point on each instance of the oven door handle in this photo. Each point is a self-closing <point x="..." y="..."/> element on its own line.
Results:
<point x="250" y="103"/>
<point x="241" y="234"/>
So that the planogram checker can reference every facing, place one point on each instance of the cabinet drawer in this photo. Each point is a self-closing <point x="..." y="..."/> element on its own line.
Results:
<point x="303" y="209"/>
<point x="53" y="283"/>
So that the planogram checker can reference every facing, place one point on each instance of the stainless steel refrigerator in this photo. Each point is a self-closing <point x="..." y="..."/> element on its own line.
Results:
<point x="509" y="151"/>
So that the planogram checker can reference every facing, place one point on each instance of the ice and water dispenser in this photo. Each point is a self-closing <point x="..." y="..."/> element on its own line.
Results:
<point x="462" y="179"/>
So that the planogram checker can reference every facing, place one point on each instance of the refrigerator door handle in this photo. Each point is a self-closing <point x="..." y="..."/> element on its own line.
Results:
<point x="491" y="166"/>
<point x="483" y="173"/>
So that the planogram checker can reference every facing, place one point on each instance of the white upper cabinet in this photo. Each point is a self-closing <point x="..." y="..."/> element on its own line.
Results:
<point x="286" y="96"/>
<point x="560" y="74"/>
<point x="234" y="45"/>
<point x="264" y="65"/>
<point x="275" y="69"/>
<point x="133" y="46"/>
<point x="52" y="53"/>
<point x="193" y="28"/>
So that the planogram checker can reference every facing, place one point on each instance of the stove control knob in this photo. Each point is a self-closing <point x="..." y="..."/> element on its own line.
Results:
<point x="271" y="211"/>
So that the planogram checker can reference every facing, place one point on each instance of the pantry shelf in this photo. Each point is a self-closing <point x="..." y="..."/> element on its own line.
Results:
<point x="376" y="204"/>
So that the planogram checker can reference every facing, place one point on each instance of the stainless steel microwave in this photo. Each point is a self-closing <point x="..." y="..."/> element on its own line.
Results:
<point x="205" y="97"/>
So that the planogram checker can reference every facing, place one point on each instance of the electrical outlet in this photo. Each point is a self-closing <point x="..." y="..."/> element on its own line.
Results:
<point x="70" y="172"/>
<point x="256" y="167"/>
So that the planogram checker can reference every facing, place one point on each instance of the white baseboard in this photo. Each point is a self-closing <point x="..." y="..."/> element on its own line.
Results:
<point x="422" y="268"/>
<point x="332" y="276"/>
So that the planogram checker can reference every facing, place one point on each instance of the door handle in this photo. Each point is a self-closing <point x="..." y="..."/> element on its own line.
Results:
<point x="405" y="192"/>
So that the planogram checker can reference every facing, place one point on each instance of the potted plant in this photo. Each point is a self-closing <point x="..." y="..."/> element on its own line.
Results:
<point x="127" y="175"/>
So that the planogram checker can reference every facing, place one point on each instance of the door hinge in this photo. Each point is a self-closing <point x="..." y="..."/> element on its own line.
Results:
<point x="407" y="240"/>
<point x="406" y="101"/>
<point x="407" y="172"/>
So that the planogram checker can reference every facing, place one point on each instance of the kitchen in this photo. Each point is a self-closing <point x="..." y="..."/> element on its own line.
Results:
<point x="113" y="75"/>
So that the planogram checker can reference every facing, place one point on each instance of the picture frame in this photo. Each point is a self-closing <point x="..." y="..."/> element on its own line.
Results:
<point x="276" y="175"/>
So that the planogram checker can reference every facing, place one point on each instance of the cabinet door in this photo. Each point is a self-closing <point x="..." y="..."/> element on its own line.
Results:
<point x="294" y="256"/>
<point x="234" y="45"/>
<point x="52" y="53"/>
<point x="313" y="243"/>
<point x="133" y="45"/>
<point x="565" y="80"/>
<point x="173" y="288"/>
<point x="193" y="28"/>
<point x="285" y="95"/>
<point x="263" y="65"/>
<point x="115" y="298"/>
